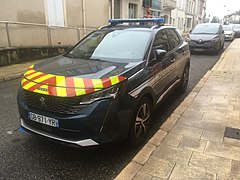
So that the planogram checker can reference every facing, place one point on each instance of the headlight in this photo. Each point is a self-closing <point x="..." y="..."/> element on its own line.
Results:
<point x="215" y="39"/>
<point x="98" y="95"/>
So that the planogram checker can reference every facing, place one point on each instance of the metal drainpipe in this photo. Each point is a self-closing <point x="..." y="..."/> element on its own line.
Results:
<point x="8" y="35"/>
<point x="84" y="17"/>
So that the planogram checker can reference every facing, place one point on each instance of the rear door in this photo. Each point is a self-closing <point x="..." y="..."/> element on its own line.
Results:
<point x="179" y="51"/>
<point x="164" y="70"/>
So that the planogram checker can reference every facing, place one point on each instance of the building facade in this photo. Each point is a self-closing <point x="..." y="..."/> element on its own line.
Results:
<point x="178" y="15"/>
<point x="47" y="22"/>
<point x="125" y="9"/>
<point x="166" y="9"/>
<point x="64" y="22"/>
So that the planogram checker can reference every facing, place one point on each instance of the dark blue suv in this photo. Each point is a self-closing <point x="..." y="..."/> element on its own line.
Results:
<point x="105" y="87"/>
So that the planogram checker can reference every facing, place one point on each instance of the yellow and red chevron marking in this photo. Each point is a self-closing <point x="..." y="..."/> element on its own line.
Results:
<point x="64" y="86"/>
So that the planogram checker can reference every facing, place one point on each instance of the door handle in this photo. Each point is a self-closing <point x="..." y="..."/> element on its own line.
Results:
<point x="173" y="60"/>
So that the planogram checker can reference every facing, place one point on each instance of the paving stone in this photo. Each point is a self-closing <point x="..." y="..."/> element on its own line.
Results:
<point x="158" y="167"/>
<point x="187" y="101"/>
<point x="172" y="139"/>
<point x="192" y="144"/>
<point x="210" y="163"/>
<point x="188" y="121"/>
<point x="169" y="123"/>
<point x="213" y="126"/>
<point x="192" y="94"/>
<point x="223" y="177"/>
<point x="216" y="117"/>
<point x="216" y="136"/>
<point x="158" y="178"/>
<point x="181" y="172"/>
<point x="129" y="171"/>
<point x="172" y="154"/>
<point x="221" y="150"/>
<point x="158" y="137"/>
<point x="187" y="131"/>
<point x="235" y="123"/>
<point x="192" y="114"/>
<point x="231" y="141"/>
<point x="197" y="88"/>
<point x="235" y="169"/>
<point x="220" y="100"/>
<point x="180" y="109"/>
<point x="144" y="154"/>
<point x="142" y="176"/>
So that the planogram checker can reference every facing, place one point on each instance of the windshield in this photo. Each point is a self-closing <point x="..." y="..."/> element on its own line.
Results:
<point x="114" y="46"/>
<point x="206" y="29"/>
<point x="227" y="28"/>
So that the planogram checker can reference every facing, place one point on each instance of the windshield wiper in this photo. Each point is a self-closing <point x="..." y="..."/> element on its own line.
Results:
<point x="96" y="59"/>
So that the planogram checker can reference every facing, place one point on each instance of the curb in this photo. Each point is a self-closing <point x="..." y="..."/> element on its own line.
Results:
<point x="131" y="170"/>
<point x="11" y="77"/>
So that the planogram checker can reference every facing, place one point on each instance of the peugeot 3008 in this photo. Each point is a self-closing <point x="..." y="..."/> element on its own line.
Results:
<point x="106" y="87"/>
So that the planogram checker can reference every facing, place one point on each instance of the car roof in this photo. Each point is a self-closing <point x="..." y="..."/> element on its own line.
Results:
<point x="137" y="24"/>
<point x="138" y="27"/>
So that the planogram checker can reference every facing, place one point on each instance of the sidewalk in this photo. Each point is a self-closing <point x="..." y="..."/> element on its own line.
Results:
<point x="14" y="71"/>
<point x="191" y="143"/>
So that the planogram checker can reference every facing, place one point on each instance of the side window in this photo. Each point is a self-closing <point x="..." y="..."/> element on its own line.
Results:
<point x="173" y="38"/>
<point x="161" y="41"/>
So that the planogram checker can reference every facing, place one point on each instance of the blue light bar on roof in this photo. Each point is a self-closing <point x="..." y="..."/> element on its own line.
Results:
<point x="121" y="21"/>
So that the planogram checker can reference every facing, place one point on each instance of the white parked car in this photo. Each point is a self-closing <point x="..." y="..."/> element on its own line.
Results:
<point x="229" y="32"/>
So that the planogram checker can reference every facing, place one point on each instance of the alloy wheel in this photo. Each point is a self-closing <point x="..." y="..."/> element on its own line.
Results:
<point x="142" y="120"/>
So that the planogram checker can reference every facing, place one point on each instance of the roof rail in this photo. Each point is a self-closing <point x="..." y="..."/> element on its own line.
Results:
<point x="158" y="21"/>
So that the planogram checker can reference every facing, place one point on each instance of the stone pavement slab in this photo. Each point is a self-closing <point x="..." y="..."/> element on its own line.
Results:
<point x="211" y="164"/>
<point x="172" y="154"/>
<point x="157" y="167"/>
<point x="181" y="172"/>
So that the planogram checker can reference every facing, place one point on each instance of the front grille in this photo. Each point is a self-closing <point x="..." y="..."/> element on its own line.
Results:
<point x="62" y="105"/>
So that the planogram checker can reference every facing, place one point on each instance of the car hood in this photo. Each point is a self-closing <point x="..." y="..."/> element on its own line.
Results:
<point x="203" y="37"/>
<point x="68" y="77"/>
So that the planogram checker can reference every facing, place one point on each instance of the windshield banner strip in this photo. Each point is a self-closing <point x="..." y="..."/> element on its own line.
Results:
<point x="63" y="86"/>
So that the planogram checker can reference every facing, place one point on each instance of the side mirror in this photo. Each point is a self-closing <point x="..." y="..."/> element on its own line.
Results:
<point x="160" y="53"/>
<point x="190" y="31"/>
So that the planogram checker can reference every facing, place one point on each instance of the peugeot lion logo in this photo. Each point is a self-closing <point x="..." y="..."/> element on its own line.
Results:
<point x="42" y="101"/>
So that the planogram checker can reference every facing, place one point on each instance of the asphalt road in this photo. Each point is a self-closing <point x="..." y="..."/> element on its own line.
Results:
<point x="23" y="156"/>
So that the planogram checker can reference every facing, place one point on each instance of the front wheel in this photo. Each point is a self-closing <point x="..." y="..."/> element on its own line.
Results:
<point x="140" y="122"/>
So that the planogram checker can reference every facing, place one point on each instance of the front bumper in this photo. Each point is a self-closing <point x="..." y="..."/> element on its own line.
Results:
<point x="204" y="46"/>
<point x="86" y="142"/>
<point x="99" y="123"/>
<point x="229" y="36"/>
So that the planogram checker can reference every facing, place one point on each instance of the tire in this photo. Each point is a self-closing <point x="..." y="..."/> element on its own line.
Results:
<point x="182" y="88"/>
<point x="140" y="122"/>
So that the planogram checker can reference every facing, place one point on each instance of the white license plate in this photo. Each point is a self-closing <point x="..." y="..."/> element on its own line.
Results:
<point x="43" y="119"/>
